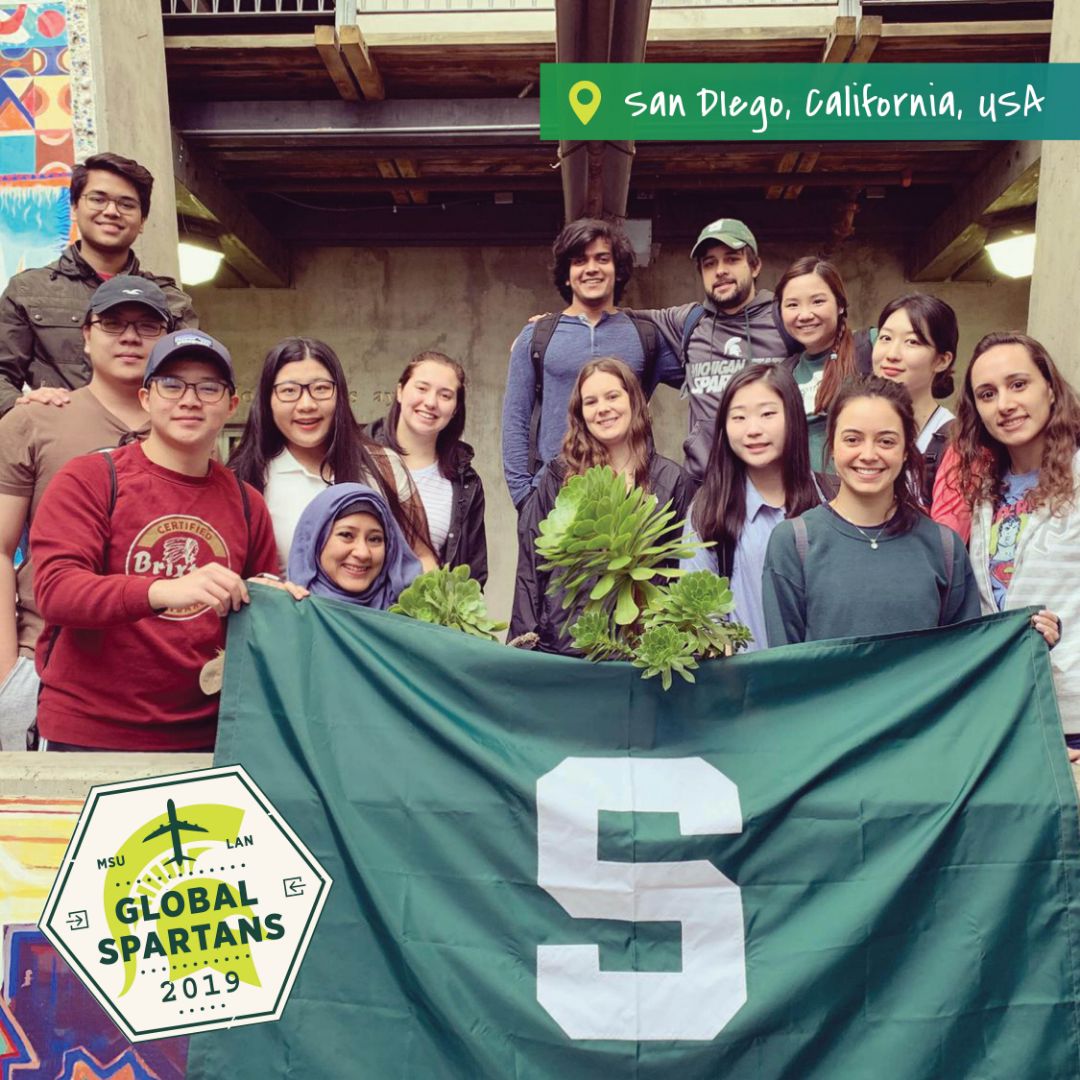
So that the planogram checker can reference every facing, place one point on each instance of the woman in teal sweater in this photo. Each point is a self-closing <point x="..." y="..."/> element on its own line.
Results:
<point x="870" y="561"/>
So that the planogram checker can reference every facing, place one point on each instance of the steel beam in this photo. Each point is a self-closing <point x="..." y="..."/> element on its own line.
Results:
<point x="376" y="125"/>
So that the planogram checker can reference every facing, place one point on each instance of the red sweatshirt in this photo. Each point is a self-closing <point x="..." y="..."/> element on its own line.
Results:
<point x="116" y="674"/>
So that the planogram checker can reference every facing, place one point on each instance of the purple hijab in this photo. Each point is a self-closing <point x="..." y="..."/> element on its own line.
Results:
<point x="400" y="566"/>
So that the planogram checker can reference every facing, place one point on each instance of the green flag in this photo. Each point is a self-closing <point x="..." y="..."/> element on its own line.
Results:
<point x="842" y="860"/>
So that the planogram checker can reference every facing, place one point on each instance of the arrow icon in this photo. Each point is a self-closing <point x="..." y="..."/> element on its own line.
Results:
<point x="78" y="920"/>
<point x="294" y="886"/>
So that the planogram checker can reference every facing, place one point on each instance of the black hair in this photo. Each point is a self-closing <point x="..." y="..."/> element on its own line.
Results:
<point x="934" y="323"/>
<point x="910" y="480"/>
<point x="719" y="509"/>
<point x="448" y="439"/>
<point x="351" y="456"/>
<point x="138" y="176"/>
<point x="575" y="238"/>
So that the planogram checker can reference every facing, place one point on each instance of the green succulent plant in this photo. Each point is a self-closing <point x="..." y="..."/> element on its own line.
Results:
<point x="607" y="546"/>
<point x="448" y="598"/>
<point x="611" y="543"/>
<point x="662" y="650"/>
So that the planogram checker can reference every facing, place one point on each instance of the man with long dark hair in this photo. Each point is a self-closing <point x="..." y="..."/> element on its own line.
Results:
<point x="592" y="264"/>
<point x="41" y="310"/>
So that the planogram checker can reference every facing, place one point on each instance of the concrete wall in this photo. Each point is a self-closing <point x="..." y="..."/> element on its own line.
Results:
<point x="1057" y="225"/>
<point x="131" y="107"/>
<point x="377" y="307"/>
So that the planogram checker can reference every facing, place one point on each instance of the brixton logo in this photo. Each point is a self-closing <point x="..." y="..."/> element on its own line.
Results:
<point x="185" y="903"/>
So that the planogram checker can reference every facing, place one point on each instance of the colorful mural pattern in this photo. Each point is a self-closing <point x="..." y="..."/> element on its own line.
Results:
<point x="51" y="1028"/>
<point x="36" y="134"/>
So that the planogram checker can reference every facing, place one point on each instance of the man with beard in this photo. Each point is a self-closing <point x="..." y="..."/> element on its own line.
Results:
<point x="736" y="324"/>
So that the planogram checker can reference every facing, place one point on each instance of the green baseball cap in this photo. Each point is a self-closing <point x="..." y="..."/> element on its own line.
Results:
<point x="727" y="231"/>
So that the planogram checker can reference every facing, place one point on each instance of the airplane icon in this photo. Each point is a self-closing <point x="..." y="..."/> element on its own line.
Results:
<point x="174" y="828"/>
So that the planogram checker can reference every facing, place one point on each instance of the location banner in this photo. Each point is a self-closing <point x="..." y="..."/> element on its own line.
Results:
<point x="700" y="102"/>
<point x="849" y="859"/>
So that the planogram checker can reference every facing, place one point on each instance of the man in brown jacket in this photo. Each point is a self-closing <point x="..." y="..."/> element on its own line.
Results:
<point x="42" y="310"/>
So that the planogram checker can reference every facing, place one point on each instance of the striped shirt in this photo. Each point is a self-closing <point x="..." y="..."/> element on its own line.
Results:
<point x="437" y="495"/>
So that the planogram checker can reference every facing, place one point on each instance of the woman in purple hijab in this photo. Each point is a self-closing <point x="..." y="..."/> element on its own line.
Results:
<point x="348" y="546"/>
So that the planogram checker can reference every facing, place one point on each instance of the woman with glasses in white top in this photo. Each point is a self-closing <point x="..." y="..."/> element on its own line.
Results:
<point x="301" y="437"/>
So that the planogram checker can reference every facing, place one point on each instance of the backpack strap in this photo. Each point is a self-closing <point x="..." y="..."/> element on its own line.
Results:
<point x="543" y="329"/>
<point x="802" y="538"/>
<point x="948" y="547"/>
<point x="692" y="319"/>
<point x="112" y="481"/>
<point x="650" y="347"/>
<point x="247" y="509"/>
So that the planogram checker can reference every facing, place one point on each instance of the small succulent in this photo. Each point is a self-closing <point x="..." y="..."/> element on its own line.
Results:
<point x="662" y="650"/>
<point x="592" y="635"/>
<point x="448" y="598"/>
<point x="696" y="604"/>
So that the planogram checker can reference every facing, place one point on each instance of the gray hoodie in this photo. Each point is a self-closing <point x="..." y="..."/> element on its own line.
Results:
<point x="720" y="346"/>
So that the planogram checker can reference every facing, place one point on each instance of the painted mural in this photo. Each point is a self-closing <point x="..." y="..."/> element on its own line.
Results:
<point x="37" y="142"/>
<point x="50" y="1026"/>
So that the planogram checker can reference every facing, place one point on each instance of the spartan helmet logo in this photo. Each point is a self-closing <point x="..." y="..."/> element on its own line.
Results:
<point x="179" y="554"/>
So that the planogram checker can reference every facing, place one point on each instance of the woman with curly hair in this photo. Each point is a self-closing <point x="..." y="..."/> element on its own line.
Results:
<point x="814" y="308"/>
<point x="870" y="561"/>
<point x="1018" y="470"/>
<point x="608" y="424"/>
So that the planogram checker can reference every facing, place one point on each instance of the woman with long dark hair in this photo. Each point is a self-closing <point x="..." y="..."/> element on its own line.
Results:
<point x="814" y="308"/>
<point x="916" y="346"/>
<point x="608" y="424"/>
<point x="870" y="561"/>
<point x="1019" y="471"/>
<point x="301" y="437"/>
<point x="758" y="474"/>
<point x="424" y="425"/>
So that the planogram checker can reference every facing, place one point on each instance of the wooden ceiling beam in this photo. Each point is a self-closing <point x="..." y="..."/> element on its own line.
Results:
<point x="957" y="235"/>
<point x="806" y="164"/>
<point x="786" y="164"/>
<point x="841" y="40"/>
<point x="355" y="51"/>
<point x="327" y="46"/>
<point x="866" y="39"/>
<point x="249" y="247"/>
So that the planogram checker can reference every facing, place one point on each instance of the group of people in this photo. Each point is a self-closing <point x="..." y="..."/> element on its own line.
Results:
<point x="822" y="474"/>
<point x="133" y="554"/>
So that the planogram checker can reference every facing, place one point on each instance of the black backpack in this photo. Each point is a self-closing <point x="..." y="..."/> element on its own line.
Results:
<point x="543" y="329"/>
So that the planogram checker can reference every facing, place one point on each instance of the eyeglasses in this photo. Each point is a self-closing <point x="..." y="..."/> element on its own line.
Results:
<point x="208" y="391"/>
<point x="143" y="327"/>
<point x="320" y="390"/>
<point x="124" y="203"/>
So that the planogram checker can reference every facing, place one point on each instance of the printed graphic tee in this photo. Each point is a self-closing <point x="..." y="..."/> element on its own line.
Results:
<point x="1008" y="524"/>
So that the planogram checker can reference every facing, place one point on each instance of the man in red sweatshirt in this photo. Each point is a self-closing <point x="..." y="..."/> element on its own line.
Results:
<point x="139" y="554"/>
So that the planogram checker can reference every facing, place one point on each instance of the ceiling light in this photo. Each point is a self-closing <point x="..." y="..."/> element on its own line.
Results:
<point x="1012" y="252"/>
<point x="198" y="264"/>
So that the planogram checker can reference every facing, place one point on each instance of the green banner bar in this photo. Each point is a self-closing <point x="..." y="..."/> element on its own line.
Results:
<point x="769" y="102"/>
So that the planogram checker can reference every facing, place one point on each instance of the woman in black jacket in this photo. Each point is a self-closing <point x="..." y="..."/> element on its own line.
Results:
<point x="608" y="424"/>
<point x="424" y="426"/>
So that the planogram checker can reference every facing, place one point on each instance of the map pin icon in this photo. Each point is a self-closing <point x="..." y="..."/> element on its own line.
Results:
<point x="584" y="110"/>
